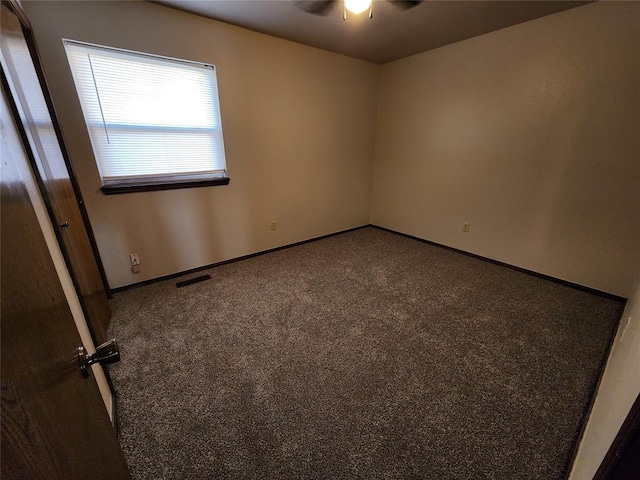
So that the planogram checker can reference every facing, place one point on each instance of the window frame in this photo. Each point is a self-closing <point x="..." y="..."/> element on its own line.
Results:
<point x="151" y="182"/>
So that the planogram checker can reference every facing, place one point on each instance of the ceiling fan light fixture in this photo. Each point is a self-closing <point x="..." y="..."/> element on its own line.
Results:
<point x="357" y="6"/>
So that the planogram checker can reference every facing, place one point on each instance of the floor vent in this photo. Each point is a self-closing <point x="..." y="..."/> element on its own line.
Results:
<point x="191" y="281"/>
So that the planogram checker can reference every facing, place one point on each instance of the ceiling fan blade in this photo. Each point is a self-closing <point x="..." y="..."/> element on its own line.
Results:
<point x="406" y="4"/>
<point x="315" y="7"/>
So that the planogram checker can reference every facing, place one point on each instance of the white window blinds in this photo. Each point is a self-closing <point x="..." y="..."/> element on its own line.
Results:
<point x="149" y="118"/>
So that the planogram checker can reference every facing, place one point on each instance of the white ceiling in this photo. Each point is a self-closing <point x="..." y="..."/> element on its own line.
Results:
<point x="391" y="34"/>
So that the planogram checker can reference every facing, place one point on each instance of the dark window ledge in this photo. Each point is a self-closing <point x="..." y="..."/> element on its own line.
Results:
<point x="115" y="188"/>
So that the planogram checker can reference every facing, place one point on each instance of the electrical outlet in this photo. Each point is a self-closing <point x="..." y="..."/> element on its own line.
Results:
<point x="272" y="226"/>
<point x="465" y="226"/>
<point x="135" y="259"/>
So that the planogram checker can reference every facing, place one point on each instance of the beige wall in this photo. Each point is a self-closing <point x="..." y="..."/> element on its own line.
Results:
<point x="530" y="133"/>
<point x="618" y="390"/>
<point x="299" y="127"/>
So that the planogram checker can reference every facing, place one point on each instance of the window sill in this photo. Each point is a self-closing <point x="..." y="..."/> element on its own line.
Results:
<point x="116" y="188"/>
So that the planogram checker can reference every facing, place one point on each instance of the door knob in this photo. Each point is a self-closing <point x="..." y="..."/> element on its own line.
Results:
<point x="105" y="354"/>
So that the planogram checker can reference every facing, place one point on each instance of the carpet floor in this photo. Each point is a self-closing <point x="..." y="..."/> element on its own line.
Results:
<point x="366" y="355"/>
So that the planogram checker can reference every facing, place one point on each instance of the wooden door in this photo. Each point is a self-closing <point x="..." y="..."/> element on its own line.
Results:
<point x="54" y="424"/>
<point x="622" y="461"/>
<point x="54" y="172"/>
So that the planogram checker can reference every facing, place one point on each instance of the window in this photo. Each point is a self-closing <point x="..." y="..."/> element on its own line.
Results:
<point x="154" y="122"/>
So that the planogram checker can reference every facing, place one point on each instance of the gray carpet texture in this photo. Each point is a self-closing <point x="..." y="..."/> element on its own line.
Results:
<point x="366" y="355"/>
